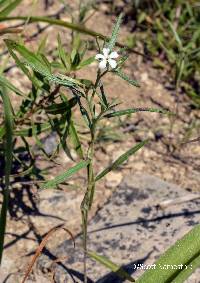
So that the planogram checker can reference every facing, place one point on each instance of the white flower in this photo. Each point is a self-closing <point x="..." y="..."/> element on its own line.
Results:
<point x="107" y="58"/>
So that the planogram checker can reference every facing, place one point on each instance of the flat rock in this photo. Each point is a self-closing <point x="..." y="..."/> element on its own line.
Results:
<point x="56" y="207"/>
<point x="130" y="229"/>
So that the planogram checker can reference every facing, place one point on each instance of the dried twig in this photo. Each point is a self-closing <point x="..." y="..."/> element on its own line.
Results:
<point x="41" y="247"/>
<point x="58" y="260"/>
<point x="190" y="141"/>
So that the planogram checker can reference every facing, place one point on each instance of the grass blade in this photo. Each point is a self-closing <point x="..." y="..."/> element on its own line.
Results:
<point x="5" y="82"/>
<point x="178" y="40"/>
<point x="61" y="178"/>
<point x="120" y="160"/>
<point x="8" y="164"/>
<point x="112" y="266"/>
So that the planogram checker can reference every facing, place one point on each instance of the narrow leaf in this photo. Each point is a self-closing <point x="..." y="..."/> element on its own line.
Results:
<point x="2" y="3"/>
<point x="120" y="160"/>
<point x="42" y="45"/>
<point x="178" y="40"/>
<point x="75" y="139"/>
<point x="10" y="47"/>
<point x="62" y="107"/>
<point x="119" y="73"/>
<point x="61" y="178"/>
<point x="38" y="128"/>
<point x="112" y="266"/>
<point x="5" y="82"/>
<point x="28" y="56"/>
<point x="33" y="61"/>
<point x="186" y="272"/>
<point x="135" y="110"/>
<point x="115" y="32"/>
<point x="9" y="8"/>
<point x="72" y="130"/>
<point x="62" y="54"/>
<point x="8" y="143"/>
<point x="86" y="62"/>
<point x="103" y="96"/>
<point x="180" y="257"/>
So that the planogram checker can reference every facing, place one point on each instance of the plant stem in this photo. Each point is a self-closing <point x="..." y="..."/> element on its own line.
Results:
<point x="69" y="25"/>
<point x="87" y="203"/>
<point x="88" y="197"/>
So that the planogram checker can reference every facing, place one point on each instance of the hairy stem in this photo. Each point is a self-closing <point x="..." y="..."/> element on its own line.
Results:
<point x="88" y="197"/>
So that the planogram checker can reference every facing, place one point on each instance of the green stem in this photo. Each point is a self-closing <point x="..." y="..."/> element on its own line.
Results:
<point x="88" y="198"/>
<point x="76" y="27"/>
<point x="87" y="201"/>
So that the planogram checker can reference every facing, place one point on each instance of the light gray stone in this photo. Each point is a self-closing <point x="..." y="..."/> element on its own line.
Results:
<point x="130" y="229"/>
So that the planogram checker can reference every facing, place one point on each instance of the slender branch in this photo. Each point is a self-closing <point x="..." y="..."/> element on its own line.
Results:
<point x="88" y="198"/>
<point x="76" y="27"/>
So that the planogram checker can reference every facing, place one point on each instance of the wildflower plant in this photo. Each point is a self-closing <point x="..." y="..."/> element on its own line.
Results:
<point x="48" y="80"/>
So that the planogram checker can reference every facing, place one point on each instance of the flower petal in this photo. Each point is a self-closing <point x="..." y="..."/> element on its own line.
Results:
<point x="113" y="55"/>
<point x="102" y="64"/>
<point x="99" y="56"/>
<point x="106" y="51"/>
<point x="113" y="63"/>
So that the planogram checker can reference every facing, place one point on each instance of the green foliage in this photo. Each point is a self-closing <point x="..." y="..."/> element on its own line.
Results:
<point x="178" y="262"/>
<point x="60" y="108"/>
<point x="169" y="31"/>
<point x="84" y="8"/>
<point x="9" y="85"/>
<point x="7" y="6"/>
<point x="111" y="266"/>
<point x="64" y="176"/>
<point x="8" y="150"/>
<point x="115" y="32"/>
<point x="126" y="78"/>
<point x="38" y="65"/>
<point x="135" y="110"/>
<point x="120" y="160"/>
